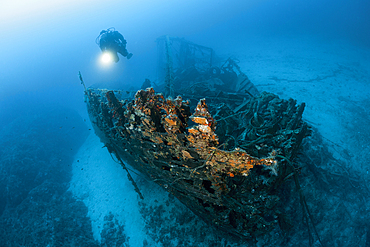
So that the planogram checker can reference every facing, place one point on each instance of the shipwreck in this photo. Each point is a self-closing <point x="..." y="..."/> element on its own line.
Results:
<point x="207" y="136"/>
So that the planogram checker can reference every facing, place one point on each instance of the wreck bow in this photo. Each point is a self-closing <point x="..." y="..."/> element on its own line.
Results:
<point x="229" y="173"/>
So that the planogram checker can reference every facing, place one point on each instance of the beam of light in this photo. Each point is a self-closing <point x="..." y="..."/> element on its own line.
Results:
<point x="106" y="58"/>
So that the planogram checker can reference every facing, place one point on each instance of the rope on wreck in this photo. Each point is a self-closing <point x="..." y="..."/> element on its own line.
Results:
<point x="136" y="188"/>
<point x="117" y="161"/>
<point x="115" y="151"/>
<point x="303" y="201"/>
<point x="82" y="81"/>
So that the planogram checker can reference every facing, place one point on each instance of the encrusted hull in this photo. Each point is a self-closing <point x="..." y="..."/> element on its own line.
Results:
<point x="227" y="168"/>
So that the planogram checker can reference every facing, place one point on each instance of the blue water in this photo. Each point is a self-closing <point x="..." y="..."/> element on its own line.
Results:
<point x="43" y="118"/>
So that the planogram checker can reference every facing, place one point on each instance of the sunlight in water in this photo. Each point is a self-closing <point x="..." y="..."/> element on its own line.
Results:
<point x="20" y="12"/>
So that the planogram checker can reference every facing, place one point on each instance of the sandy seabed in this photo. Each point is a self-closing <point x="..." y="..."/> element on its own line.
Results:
<point x="102" y="185"/>
<point x="332" y="78"/>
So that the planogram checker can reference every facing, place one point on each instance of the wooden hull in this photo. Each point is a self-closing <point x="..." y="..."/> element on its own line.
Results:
<point x="225" y="161"/>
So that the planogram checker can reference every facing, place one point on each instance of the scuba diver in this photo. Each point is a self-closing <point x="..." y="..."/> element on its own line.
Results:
<point x="112" y="41"/>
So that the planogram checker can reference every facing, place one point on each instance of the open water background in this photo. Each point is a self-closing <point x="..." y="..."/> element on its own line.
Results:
<point x="43" y="120"/>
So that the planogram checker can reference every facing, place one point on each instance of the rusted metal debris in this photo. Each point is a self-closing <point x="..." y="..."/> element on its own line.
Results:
<point x="226" y="160"/>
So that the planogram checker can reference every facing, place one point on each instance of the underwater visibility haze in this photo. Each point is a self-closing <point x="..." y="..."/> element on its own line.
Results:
<point x="60" y="187"/>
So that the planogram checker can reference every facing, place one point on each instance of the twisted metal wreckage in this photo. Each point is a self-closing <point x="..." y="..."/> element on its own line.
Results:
<point x="226" y="160"/>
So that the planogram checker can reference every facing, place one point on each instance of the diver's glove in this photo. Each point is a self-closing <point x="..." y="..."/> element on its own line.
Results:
<point x="129" y="55"/>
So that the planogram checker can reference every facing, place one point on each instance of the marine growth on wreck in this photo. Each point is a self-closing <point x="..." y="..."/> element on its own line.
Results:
<point x="224" y="159"/>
